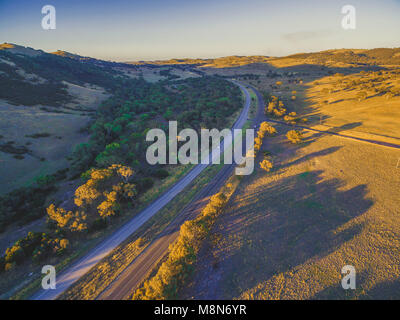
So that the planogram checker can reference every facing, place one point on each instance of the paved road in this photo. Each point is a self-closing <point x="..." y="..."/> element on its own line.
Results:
<point x="83" y="265"/>
<point x="124" y="285"/>
<point x="142" y="265"/>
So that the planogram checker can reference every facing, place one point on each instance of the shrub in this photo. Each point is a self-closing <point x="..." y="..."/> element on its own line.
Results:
<point x="294" y="136"/>
<point x="35" y="245"/>
<point x="266" y="165"/>
<point x="183" y="252"/>
<point x="15" y="254"/>
<point x="9" y="266"/>
<point x="264" y="128"/>
<point x="67" y="220"/>
<point x="291" y="118"/>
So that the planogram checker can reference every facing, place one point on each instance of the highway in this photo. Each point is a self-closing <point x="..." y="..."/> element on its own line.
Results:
<point x="125" y="284"/>
<point x="134" y="275"/>
<point x="71" y="274"/>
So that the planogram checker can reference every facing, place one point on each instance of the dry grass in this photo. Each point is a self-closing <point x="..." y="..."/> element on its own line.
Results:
<point x="376" y="114"/>
<point x="327" y="203"/>
<point x="223" y="62"/>
<point x="153" y="74"/>
<point x="100" y="276"/>
<point x="47" y="154"/>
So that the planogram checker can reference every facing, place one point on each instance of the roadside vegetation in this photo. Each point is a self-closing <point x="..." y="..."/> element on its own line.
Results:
<point x="109" y="173"/>
<point x="311" y="207"/>
<point x="288" y="233"/>
<point x="174" y="272"/>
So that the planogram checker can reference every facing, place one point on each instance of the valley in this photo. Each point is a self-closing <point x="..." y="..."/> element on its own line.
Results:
<point x="78" y="193"/>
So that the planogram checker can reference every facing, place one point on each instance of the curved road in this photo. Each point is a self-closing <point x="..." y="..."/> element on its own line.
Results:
<point x="135" y="273"/>
<point x="84" y="264"/>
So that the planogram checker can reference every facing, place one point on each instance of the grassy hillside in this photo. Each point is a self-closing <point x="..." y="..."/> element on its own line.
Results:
<point x="32" y="77"/>
<point x="333" y="58"/>
<point x="108" y="162"/>
<point x="328" y="201"/>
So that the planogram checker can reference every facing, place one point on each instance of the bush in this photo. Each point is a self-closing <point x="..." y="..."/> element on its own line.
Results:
<point x="266" y="165"/>
<point x="15" y="254"/>
<point x="183" y="252"/>
<point x="9" y="266"/>
<point x="35" y="245"/>
<point x="294" y="136"/>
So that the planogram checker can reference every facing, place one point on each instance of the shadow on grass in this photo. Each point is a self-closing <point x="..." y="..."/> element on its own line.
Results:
<point x="281" y="225"/>
<point x="334" y="130"/>
<point x="386" y="290"/>
<point x="310" y="156"/>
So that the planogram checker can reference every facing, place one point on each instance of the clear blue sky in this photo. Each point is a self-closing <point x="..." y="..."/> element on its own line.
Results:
<point x="157" y="29"/>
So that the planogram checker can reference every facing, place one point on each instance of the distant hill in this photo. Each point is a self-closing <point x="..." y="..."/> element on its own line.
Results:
<point x="30" y="77"/>
<point x="355" y="57"/>
<point x="223" y="62"/>
<point x="334" y="57"/>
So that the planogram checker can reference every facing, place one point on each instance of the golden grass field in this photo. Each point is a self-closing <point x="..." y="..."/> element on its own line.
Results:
<point x="328" y="202"/>
<point x="376" y="114"/>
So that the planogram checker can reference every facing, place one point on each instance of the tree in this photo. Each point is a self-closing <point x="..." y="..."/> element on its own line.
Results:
<point x="266" y="165"/>
<point x="124" y="172"/>
<point x="267" y="128"/>
<point x="67" y="220"/>
<point x="294" y="136"/>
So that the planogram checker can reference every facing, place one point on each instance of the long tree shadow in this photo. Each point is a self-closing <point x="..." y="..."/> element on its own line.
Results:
<point x="283" y="224"/>
<point x="385" y="290"/>
<point x="310" y="156"/>
<point x="334" y="130"/>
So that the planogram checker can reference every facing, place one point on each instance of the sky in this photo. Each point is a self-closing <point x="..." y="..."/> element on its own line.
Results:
<point x="122" y="30"/>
